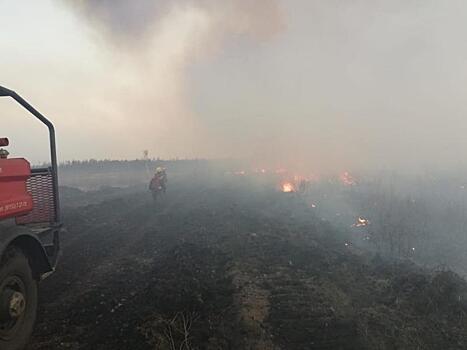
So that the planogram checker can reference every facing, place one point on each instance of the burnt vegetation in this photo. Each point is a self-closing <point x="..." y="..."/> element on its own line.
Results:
<point x="227" y="261"/>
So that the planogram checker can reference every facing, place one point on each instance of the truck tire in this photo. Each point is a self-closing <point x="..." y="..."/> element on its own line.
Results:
<point x="18" y="300"/>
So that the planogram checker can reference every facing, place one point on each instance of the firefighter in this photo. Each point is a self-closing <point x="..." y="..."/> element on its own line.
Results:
<point x="158" y="182"/>
<point x="160" y="172"/>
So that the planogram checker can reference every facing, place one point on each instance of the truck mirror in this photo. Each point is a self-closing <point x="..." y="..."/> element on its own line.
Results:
<point x="4" y="142"/>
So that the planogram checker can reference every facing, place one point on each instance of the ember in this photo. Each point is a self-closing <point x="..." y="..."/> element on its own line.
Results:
<point x="347" y="179"/>
<point x="361" y="221"/>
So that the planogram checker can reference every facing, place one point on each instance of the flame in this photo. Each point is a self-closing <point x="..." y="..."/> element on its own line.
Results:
<point x="260" y="171"/>
<point x="347" y="179"/>
<point x="288" y="187"/>
<point x="361" y="221"/>
<point x="295" y="183"/>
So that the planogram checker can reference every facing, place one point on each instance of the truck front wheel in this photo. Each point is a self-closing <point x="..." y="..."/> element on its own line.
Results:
<point x="18" y="300"/>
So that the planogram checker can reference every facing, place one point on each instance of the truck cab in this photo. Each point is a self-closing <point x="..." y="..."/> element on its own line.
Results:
<point x="29" y="234"/>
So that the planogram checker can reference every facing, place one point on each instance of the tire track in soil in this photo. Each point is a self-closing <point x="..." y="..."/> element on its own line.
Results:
<point x="190" y="282"/>
<point x="252" y="303"/>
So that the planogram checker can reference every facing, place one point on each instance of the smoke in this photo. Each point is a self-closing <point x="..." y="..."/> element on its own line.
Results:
<point x="150" y="45"/>
<point x="120" y="19"/>
<point x="131" y="22"/>
<point x="328" y="84"/>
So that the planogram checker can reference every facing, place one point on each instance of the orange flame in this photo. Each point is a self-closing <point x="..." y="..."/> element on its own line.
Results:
<point x="288" y="187"/>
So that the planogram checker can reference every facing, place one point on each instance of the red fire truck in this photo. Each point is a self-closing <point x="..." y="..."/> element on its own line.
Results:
<point x="29" y="234"/>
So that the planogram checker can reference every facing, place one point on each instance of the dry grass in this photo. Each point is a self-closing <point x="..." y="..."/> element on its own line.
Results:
<point x="170" y="334"/>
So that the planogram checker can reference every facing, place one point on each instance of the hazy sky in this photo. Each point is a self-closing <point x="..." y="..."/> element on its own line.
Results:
<point x="328" y="84"/>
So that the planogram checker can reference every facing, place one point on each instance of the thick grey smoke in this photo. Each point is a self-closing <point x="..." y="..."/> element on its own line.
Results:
<point x="133" y="21"/>
<point x="151" y="44"/>
<point x="335" y="84"/>
<point x="120" y="18"/>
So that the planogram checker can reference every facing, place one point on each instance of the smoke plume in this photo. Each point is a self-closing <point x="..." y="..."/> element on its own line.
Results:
<point x="132" y="21"/>
<point x="151" y="44"/>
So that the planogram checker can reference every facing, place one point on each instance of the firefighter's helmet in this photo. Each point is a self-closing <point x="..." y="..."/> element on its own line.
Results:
<point x="159" y="170"/>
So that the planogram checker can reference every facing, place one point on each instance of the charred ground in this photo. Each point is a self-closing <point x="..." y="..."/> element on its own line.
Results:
<point x="229" y="265"/>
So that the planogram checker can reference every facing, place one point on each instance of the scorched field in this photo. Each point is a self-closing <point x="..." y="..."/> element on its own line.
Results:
<point x="232" y="265"/>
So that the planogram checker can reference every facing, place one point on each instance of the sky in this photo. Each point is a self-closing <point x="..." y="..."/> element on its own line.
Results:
<point x="323" y="85"/>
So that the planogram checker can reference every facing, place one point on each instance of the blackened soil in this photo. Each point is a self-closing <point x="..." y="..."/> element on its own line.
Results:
<point x="233" y="268"/>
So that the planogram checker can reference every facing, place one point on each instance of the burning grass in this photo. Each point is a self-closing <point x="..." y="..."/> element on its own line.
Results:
<point x="287" y="187"/>
<point x="240" y="266"/>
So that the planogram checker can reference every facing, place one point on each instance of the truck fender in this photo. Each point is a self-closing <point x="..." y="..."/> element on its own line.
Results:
<point x="32" y="247"/>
